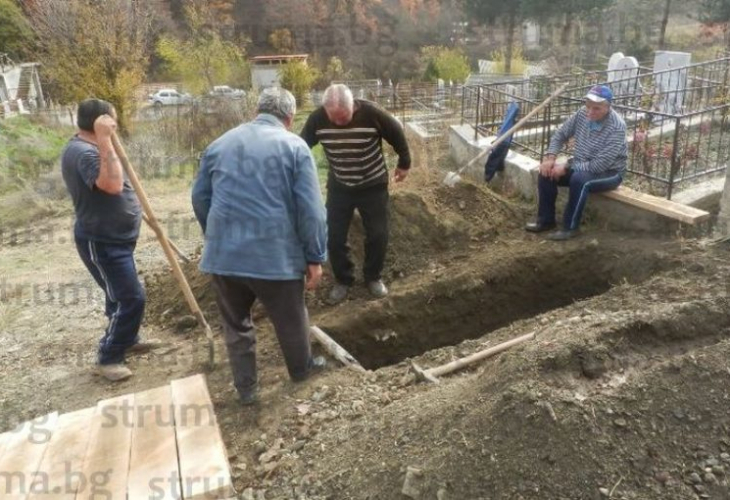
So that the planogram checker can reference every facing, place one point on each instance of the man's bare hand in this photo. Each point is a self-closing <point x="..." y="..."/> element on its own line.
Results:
<point x="104" y="126"/>
<point x="546" y="168"/>
<point x="314" y="275"/>
<point x="400" y="174"/>
<point x="558" y="171"/>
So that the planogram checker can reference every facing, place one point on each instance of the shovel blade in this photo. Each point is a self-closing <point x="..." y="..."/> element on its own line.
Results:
<point x="451" y="179"/>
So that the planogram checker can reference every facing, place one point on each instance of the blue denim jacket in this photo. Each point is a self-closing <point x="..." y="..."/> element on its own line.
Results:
<point x="258" y="201"/>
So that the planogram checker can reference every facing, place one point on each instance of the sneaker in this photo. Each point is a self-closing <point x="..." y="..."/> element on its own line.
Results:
<point x="338" y="293"/>
<point x="562" y="235"/>
<point x="378" y="289"/>
<point x="114" y="372"/>
<point x="145" y="346"/>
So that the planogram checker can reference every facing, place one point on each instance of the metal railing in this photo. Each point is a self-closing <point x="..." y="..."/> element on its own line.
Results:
<point x="676" y="119"/>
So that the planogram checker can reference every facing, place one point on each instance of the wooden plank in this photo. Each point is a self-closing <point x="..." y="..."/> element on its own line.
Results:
<point x="661" y="206"/>
<point x="60" y="473"/>
<point x="204" y="468"/>
<point x="153" y="471"/>
<point x="24" y="450"/>
<point x="106" y="465"/>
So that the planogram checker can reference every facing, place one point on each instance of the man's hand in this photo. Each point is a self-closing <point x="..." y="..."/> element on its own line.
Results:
<point x="400" y="174"/>
<point x="546" y="166"/>
<point x="104" y="126"/>
<point x="558" y="171"/>
<point x="314" y="275"/>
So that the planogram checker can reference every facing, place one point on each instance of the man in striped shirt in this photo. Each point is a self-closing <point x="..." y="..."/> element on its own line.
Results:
<point x="351" y="132"/>
<point x="598" y="163"/>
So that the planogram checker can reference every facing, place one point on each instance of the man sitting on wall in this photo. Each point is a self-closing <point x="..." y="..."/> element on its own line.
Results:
<point x="598" y="163"/>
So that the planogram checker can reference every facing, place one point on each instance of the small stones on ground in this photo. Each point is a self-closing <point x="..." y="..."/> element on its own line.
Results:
<point x="694" y="478"/>
<point x="620" y="422"/>
<point x="413" y="483"/>
<point x="185" y="323"/>
<point x="604" y="492"/>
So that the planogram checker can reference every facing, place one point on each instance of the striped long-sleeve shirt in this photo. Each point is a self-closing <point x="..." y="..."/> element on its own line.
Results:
<point x="602" y="148"/>
<point x="355" y="151"/>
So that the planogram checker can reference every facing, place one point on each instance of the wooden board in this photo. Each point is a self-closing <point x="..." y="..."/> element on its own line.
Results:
<point x="106" y="467"/>
<point x="24" y="450"/>
<point x="60" y="473"/>
<point x="153" y="471"/>
<point x="661" y="206"/>
<point x="204" y="469"/>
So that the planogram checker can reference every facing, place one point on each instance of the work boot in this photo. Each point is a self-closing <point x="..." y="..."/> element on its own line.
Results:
<point x="338" y="293"/>
<point x="145" y="346"/>
<point x="378" y="289"/>
<point x="318" y="364"/>
<point x="249" y="396"/>
<point x="114" y="372"/>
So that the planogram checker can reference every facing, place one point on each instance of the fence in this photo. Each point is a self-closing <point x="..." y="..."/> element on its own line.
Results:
<point x="677" y="119"/>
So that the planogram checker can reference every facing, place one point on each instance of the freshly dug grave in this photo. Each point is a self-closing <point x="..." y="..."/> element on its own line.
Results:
<point x="623" y="394"/>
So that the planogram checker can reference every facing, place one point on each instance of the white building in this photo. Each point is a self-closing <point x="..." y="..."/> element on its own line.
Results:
<point x="20" y="87"/>
<point x="265" y="69"/>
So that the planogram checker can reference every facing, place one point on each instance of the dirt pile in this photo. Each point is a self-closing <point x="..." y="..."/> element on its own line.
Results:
<point x="623" y="394"/>
<point x="426" y="222"/>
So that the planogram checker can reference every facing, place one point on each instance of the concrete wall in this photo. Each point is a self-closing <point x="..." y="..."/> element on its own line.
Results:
<point x="264" y="76"/>
<point x="520" y="178"/>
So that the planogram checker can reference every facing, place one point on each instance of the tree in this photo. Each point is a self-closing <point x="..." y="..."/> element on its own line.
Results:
<point x="298" y="77"/>
<point x="281" y="40"/>
<point x="203" y="59"/>
<point x="92" y="48"/>
<point x="717" y="12"/>
<point x="444" y="63"/>
<point x="665" y="22"/>
<point x="15" y="32"/>
<point x="490" y="11"/>
<point x="335" y="71"/>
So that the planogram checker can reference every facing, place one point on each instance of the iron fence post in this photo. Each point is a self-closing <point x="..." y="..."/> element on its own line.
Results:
<point x="479" y="106"/>
<point x="675" y="158"/>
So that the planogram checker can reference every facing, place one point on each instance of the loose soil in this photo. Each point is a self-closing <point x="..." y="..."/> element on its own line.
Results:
<point x="624" y="392"/>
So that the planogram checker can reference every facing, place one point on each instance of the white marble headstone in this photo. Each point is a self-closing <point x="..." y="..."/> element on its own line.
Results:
<point x="626" y="77"/>
<point x="613" y="64"/>
<point x="670" y="78"/>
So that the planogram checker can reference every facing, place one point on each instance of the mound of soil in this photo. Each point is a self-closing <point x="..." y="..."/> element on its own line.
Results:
<point x="623" y="393"/>
<point x="426" y="221"/>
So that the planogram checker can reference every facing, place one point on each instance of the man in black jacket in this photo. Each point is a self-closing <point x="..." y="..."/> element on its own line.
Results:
<point x="351" y="132"/>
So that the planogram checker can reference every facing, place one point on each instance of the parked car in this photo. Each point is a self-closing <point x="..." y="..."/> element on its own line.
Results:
<point x="225" y="91"/>
<point x="169" y="97"/>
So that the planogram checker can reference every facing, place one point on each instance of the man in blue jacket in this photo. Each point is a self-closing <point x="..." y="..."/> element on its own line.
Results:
<point x="258" y="201"/>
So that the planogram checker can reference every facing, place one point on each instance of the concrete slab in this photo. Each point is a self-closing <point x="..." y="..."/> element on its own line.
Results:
<point x="705" y="195"/>
<point x="520" y="178"/>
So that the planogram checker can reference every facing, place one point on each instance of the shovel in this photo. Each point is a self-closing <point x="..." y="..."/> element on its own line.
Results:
<point x="452" y="178"/>
<point x="166" y="246"/>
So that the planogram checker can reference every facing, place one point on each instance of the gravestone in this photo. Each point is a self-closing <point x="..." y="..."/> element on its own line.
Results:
<point x="626" y="77"/>
<point x="670" y="78"/>
<point x="613" y="65"/>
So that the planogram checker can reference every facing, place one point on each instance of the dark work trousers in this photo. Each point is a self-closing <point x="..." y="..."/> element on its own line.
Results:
<point x="113" y="269"/>
<point x="580" y="184"/>
<point x="284" y="303"/>
<point x="372" y="204"/>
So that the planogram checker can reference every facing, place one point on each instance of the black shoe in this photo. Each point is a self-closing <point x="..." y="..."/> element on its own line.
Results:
<point x="249" y="396"/>
<point x="318" y="364"/>
<point x="536" y="227"/>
